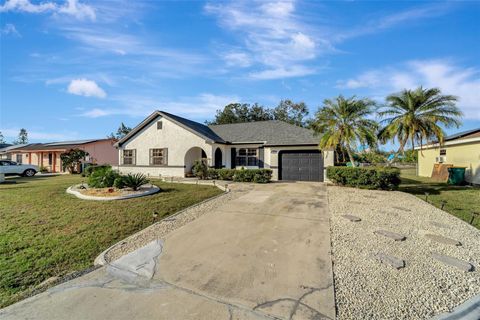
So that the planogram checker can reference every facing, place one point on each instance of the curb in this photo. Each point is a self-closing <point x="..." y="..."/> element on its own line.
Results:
<point x="79" y="195"/>
<point x="100" y="259"/>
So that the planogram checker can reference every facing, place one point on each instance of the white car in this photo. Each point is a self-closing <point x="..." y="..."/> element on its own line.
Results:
<point x="9" y="168"/>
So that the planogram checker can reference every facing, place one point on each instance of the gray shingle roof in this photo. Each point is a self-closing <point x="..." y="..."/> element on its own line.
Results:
<point x="195" y="126"/>
<point x="12" y="147"/>
<point x="272" y="132"/>
<point x="461" y="134"/>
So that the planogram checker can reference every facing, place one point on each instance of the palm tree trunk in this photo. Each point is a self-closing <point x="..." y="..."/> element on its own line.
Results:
<point x="349" y="151"/>
<point x="413" y="143"/>
<point x="400" y="149"/>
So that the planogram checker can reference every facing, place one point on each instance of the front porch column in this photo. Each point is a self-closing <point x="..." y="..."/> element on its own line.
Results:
<point x="54" y="162"/>
<point x="29" y="158"/>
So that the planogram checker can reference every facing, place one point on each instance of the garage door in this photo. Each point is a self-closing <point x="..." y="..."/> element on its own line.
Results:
<point x="301" y="165"/>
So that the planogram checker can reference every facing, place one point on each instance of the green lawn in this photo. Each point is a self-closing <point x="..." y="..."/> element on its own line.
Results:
<point x="460" y="201"/>
<point x="45" y="232"/>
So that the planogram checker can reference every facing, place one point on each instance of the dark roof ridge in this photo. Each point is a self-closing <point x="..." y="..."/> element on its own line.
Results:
<point x="239" y="123"/>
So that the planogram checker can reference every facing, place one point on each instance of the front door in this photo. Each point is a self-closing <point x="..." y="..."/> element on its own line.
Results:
<point x="218" y="158"/>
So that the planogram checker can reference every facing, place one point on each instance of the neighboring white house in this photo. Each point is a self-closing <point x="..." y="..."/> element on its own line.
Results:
<point x="168" y="145"/>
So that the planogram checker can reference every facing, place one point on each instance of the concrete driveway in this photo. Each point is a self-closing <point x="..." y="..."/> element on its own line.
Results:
<point x="263" y="255"/>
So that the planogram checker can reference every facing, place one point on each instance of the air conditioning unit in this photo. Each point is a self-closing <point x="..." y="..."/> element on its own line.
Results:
<point x="441" y="159"/>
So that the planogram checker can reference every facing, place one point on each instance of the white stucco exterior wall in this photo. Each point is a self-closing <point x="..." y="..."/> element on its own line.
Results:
<point x="172" y="136"/>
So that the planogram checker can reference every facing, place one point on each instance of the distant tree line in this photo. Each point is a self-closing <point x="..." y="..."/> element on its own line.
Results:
<point x="292" y="112"/>
<point x="21" y="139"/>
<point x="351" y="124"/>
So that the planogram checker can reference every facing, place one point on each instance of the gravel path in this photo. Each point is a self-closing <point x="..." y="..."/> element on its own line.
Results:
<point x="368" y="289"/>
<point x="165" y="226"/>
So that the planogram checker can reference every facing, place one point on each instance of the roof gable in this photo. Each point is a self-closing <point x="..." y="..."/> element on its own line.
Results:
<point x="199" y="129"/>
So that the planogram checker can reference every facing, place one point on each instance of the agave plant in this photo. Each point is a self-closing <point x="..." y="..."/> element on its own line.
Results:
<point x="135" y="181"/>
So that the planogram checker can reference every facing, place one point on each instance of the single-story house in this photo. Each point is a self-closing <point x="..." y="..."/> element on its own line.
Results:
<point x="168" y="145"/>
<point x="460" y="150"/>
<point x="47" y="155"/>
<point x="7" y="150"/>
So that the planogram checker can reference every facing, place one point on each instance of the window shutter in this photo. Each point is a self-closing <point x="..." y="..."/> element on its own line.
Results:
<point x="233" y="157"/>
<point x="165" y="156"/>
<point x="261" y="154"/>
<point x="151" y="156"/>
<point x="134" y="156"/>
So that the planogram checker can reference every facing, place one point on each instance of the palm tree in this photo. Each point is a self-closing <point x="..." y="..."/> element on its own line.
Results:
<point x="416" y="116"/>
<point x="344" y="122"/>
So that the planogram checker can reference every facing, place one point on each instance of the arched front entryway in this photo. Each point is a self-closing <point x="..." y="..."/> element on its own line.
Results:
<point x="218" y="159"/>
<point x="193" y="154"/>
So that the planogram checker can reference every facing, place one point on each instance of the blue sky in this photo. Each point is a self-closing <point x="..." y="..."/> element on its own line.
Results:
<point x="76" y="69"/>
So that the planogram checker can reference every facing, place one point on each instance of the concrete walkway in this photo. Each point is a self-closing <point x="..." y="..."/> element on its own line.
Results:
<point x="263" y="255"/>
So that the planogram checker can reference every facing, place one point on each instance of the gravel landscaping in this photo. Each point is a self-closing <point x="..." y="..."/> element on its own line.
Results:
<point x="370" y="280"/>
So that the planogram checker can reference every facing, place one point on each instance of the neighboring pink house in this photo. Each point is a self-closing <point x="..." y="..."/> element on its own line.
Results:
<point x="47" y="155"/>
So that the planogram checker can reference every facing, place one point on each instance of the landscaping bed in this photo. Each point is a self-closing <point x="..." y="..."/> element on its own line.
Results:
<point x="83" y="191"/>
<point x="45" y="232"/>
<point x="366" y="288"/>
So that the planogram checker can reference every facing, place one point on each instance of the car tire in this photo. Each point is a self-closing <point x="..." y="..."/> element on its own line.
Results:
<point x="29" y="173"/>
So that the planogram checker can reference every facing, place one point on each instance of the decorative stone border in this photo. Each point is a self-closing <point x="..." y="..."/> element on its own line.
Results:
<point x="153" y="189"/>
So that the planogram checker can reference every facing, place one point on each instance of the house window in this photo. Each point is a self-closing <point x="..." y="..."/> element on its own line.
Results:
<point x="19" y="158"/>
<point x="158" y="157"/>
<point x="50" y="158"/>
<point x="247" y="157"/>
<point x="159" y="125"/>
<point x="129" y="157"/>
<point x="443" y="152"/>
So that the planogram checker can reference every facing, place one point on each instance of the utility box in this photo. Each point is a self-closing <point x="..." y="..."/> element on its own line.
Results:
<point x="456" y="176"/>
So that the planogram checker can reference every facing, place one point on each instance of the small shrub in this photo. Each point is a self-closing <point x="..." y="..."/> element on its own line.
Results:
<point x="253" y="175"/>
<point x="200" y="169"/>
<point x="102" y="178"/>
<point x="91" y="168"/>
<point x="135" y="181"/>
<point x="262" y="176"/>
<point x="43" y="169"/>
<point x="383" y="178"/>
<point x="212" y="174"/>
<point x="225" y="174"/>
<point x="119" y="182"/>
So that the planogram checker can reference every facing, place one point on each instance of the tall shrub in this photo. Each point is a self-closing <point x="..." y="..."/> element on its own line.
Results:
<point x="368" y="178"/>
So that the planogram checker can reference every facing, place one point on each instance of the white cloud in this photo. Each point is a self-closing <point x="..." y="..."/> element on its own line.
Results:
<point x="27" y="6"/>
<point x="283" y="72"/>
<point x="196" y="107"/>
<point x="87" y="88"/>
<point x="273" y="37"/>
<point x="402" y="18"/>
<point x="237" y="59"/>
<point x="450" y="78"/>
<point x="9" y="29"/>
<point x="78" y="10"/>
<point x="73" y="8"/>
<point x="96" y="113"/>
